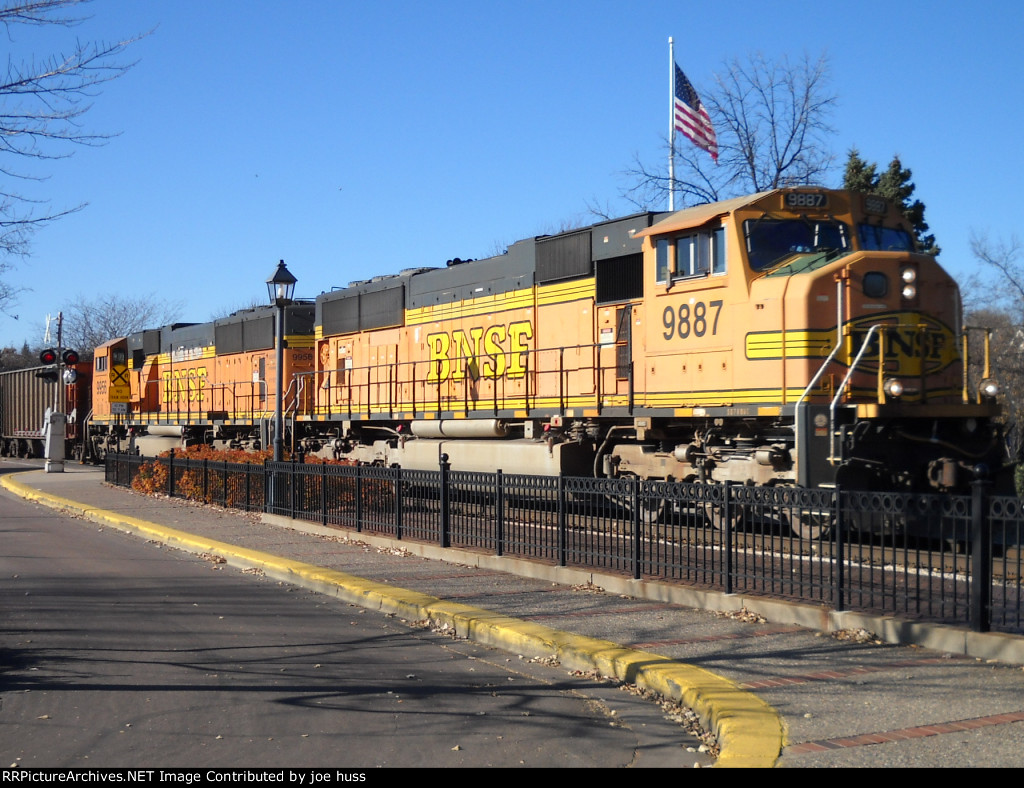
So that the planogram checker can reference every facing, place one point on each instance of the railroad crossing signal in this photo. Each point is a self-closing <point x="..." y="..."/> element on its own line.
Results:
<point x="53" y="359"/>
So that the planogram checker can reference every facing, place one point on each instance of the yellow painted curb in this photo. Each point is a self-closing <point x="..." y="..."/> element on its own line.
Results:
<point x="749" y="731"/>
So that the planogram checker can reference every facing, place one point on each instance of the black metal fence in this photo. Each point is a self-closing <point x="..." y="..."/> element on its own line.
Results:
<point x="943" y="558"/>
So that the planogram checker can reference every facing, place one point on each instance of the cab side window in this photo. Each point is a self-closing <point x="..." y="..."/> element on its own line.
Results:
<point x="692" y="255"/>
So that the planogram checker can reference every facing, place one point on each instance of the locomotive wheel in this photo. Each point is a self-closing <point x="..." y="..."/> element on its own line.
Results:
<point x="812" y="526"/>
<point x="650" y="511"/>
<point x="713" y="508"/>
<point x="714" y="513"/>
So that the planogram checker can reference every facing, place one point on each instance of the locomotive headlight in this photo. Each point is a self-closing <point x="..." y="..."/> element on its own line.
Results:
<point x="893" y="387"/>
<point x="908" y="275"/>
<point x="909" y="292"/>
<point x="989" y="388"/>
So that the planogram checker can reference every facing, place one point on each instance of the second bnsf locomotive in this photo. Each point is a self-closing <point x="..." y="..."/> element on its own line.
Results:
<point x="790" y="337"/>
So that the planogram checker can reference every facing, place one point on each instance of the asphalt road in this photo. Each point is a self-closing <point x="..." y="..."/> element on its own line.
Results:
<point x="119" y="653"/>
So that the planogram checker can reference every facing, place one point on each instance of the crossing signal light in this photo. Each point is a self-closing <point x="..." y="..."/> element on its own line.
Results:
<point x="70" y="357"/>
<point x="49" y="375"/>
<point x="48" y="356"/>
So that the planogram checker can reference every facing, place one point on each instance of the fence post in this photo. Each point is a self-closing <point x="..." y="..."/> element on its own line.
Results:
<point x="206" y="479"/>
<point x="292" y="485"/>
<point x="268" y="504"/>
<point x="399" y="502"/>
<point x="445" y="536"/>
<point x="839" y="530"/>
<point x="170" y="474"/>
<point x="637" y="533"/>
<point x="359" y="499"/>
<point x="562" y="524"/>
<point x="727" y="534"/>
<point x="499" y="512"/>
<point x="981" y="560"/>
<point x="323" y="493"/>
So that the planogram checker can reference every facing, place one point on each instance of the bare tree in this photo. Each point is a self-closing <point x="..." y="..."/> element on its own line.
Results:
<point x="42" y="103"/>
<point x="771" y="121"/>
<point x="996" y="301"/>
<point x="89" y="322"/>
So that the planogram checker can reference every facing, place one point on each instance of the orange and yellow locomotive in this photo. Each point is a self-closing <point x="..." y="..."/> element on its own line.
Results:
<point x="788" y="337"/>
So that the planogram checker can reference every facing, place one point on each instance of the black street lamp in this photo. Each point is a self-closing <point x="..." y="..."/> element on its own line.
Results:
<point x="280" y="288"/>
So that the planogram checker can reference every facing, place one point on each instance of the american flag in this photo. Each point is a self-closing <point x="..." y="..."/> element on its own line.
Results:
<point x="691" y="118"/>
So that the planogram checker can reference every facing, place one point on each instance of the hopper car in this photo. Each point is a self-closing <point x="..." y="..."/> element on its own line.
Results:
<point x="25" y="402"/>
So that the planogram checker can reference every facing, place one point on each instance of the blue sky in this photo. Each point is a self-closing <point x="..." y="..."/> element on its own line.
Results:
<point x="354" y="139"/>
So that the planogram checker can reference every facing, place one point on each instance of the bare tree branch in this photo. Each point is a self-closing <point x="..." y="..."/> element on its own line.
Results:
<point x="771" y="120"/>
<point x="42" y="103"/>
<point x="89" y="321"/>
<point x="1005" y="258"/>
<point x="1000" y="306"/>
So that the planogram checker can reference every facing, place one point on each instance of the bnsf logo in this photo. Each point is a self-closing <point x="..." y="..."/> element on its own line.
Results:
<point x="925" y="345"/>
<point x="492" y="352"/>
<point x="184" y="384"/>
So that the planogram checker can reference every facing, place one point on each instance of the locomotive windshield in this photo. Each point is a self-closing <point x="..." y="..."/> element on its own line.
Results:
<point x="770" y="241"/>
<point x="884" y="239"/>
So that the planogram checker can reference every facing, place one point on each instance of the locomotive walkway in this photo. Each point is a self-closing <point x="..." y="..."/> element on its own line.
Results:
<point x="777" y="689"/>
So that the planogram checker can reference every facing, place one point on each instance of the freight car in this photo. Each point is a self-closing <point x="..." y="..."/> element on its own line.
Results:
<point x="25" y="401"/>
<point x="791" y="337"/>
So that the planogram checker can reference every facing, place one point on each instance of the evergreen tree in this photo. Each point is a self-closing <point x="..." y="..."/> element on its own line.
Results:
<point x="860" y="176"/>
<point x="894" y="185"/>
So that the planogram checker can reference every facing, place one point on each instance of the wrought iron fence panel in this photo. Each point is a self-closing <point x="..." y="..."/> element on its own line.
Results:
<point x="757" y="532"/>
<point x="377" y="502"/>
<point x="232" y="485"/>
<point x="337" y="490"/>
<point x="279" y="488"/>
<point x="903" y="554"/>
<point x="599" y="522"/>
<point x="1006" y="518"/>
<point x="680" y="543"/>
<point x="121" y="469"/>
<point x="304" y="500"/>
<point x="472" y="501"/>
<point x="802" y="529"/>
<point x="420" y="508"/>
<point x="531" y="516"/>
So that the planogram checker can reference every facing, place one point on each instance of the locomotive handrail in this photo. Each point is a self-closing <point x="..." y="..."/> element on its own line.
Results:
<point x="842" y="387"/>
<point x="353" y="392"/>
<point x="798" y="425"/>
<point x="210" y="391"/>
<point x="987" y="362"/>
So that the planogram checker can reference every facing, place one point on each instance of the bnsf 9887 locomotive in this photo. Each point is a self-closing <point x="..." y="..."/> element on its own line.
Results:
<point x="791" y="337"/>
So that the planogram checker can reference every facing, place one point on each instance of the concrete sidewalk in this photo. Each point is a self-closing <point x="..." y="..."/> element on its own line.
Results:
<point x="775" y="689"/>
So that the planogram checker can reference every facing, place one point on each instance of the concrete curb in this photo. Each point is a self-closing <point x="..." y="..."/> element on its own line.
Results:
<point x="750" y="732"/>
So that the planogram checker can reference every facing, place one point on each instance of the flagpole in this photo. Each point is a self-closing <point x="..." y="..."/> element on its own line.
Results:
<point x="671" y="126"/>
